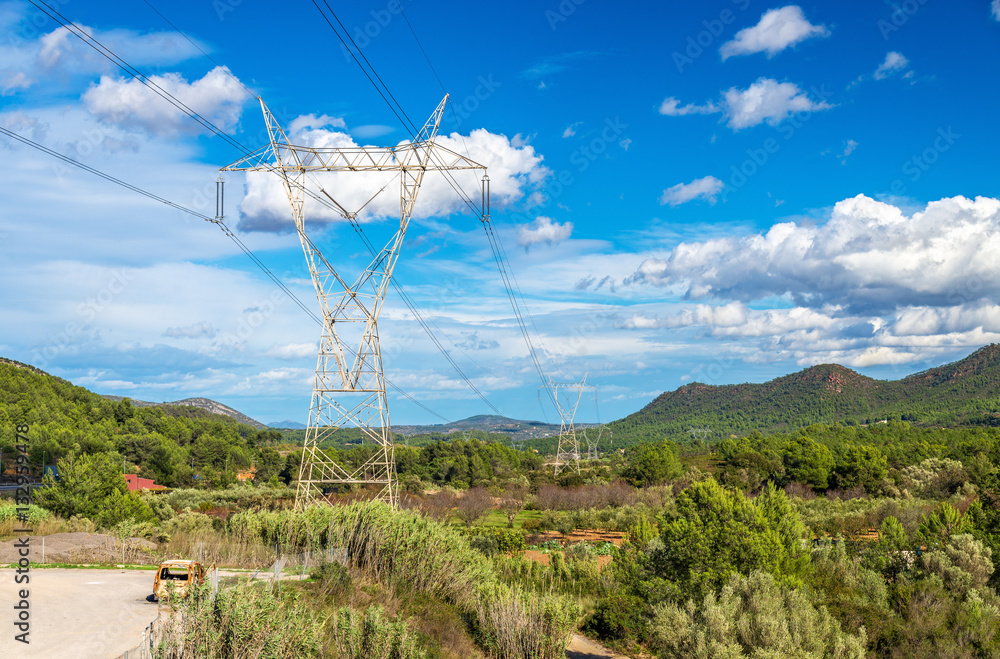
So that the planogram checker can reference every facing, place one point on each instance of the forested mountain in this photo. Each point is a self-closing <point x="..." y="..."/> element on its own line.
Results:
<point x="207" y="404"/>
<point x="966" y="392"/>
<point x="173" y="444"/>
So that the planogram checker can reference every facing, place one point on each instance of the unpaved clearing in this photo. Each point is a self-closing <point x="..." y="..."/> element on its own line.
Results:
<point x="80" y="548"/>
<point x="90" y="614"/>
<point x="584" y="648"/>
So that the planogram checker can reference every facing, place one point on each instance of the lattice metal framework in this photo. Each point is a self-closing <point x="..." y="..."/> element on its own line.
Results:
<point x="349" y="388"/>
<point x="593" y="438"/>
<point x="568" y="449"/>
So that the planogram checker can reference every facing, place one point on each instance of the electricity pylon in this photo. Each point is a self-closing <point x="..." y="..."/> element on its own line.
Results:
<point x="568" y="449"/>
<point x="349" y="388"/>
<point x="593" y="438"/>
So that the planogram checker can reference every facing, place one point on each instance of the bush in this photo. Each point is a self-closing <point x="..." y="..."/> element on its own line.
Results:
<point x="188" y="522"/>
<point x="492" y="540"/>
<point x="617" y="617"/>
<point x="8" y="512"/>
<point x="515" y="624"/>
<point x="752" y="616"/>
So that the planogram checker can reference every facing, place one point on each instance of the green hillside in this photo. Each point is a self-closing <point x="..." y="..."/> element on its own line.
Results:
<point x="966" y="392"/>
<point x="176" y="445"/>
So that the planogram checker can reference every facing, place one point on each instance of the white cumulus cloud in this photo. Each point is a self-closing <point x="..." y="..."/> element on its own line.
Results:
<point x="24" y="62"/>
<point x="706" y="188"/>
<point x="777" y="29"/>
<point x="894" y="62"/>
<point x="995" y="10"/>
<point x="672" y="108"/>
<point x="130" y="104"/>
<point x="515" y="170"/>
<point x="869" y="256"/>
<point x="767" y="100"/>
<point x="543" y="230"/>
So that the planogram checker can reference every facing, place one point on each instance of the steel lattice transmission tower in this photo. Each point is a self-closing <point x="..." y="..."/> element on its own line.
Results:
<point x="349" y="388"/>
<point x="593" y="438"/>
<point x="568" y="449"/>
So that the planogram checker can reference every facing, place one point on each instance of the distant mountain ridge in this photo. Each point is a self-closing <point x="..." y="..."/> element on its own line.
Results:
<point x="286" y="425"/>
<point x="207" y="404"/>
<point x="963" y="392"/>
<point x="516" y="429"/>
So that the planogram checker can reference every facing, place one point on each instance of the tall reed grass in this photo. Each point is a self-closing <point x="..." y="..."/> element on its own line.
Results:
<point x="406" y="551"/>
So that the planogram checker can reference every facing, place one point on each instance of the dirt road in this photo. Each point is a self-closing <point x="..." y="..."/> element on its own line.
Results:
<point x="91" y="614"/>
<point x="584" y="648"/>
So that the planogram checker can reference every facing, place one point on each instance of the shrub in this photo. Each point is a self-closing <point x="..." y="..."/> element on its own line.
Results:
<point x="8" y="512"/>
<point x="188" y="522"/>
<point x="492" y="540"/>
<point x="516" y="624"/>
<point x="617" y="617"/>
<point x="752" y="616"/>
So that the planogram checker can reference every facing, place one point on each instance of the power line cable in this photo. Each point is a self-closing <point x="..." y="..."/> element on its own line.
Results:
<point x="200" y="49"/>
<point x="138" y="75"/>
<point x="217" y="221"/>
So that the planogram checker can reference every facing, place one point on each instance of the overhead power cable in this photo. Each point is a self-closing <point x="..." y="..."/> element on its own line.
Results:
<point x="150" y="84"/>
<point x="217" y="221"/>
<point x="510" y="284"/>
<point x="201" y="50"/>
<point x="382" y="90"/>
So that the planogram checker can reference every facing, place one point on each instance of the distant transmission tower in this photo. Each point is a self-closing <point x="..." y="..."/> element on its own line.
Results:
<point x="593" y="438"/>
<point x="349" y="389"/>
<point x="568" y="449"/>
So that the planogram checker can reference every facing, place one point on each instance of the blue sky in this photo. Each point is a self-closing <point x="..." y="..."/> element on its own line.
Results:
<point x="718" y="192"/>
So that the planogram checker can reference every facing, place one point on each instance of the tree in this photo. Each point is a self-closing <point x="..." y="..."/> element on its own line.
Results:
<point x="269" y="463"/>
<point x="716" y="532"/>
<point x="473" y="504"/>
<point x="93" y="486"/>
<point x="652" y="464"/>
<point x="944" y="522"/>
<point x="512" y="501"/>
<point x="807" y="461"/>
<point x="863" y="466"/>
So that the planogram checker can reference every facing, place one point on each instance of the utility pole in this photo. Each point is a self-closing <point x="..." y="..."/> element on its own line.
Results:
<point x="349" y="387"/>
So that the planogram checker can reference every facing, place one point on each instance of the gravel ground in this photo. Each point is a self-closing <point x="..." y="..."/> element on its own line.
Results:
<point x="74" y="548"/>
<point x="89" y="614"/>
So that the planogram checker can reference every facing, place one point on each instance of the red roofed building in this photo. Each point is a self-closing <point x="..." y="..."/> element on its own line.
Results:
<point x="135" y="483"/>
